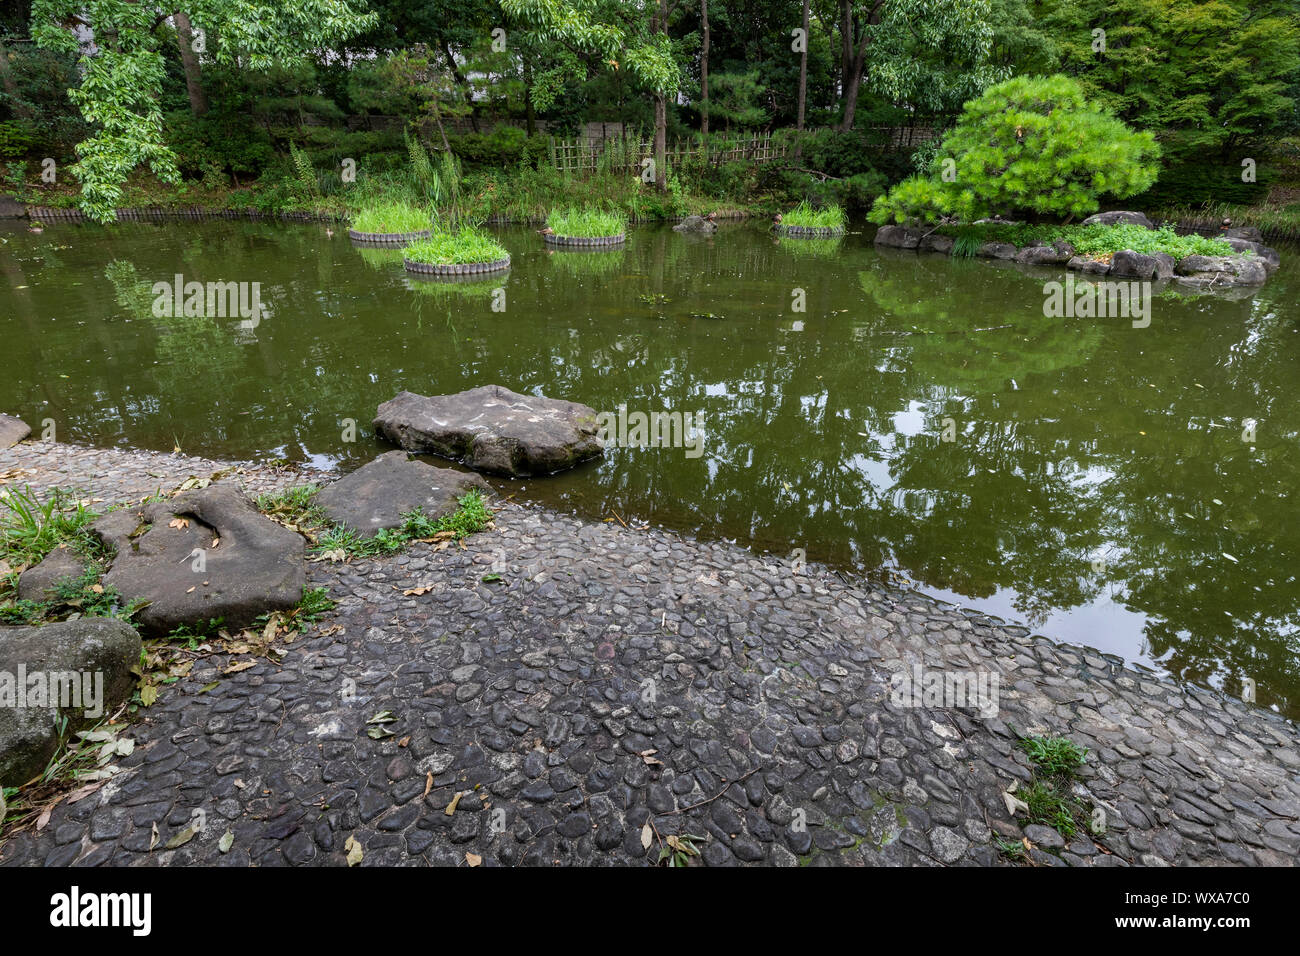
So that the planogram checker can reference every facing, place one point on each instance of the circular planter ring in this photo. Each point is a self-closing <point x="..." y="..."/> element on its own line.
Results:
<point x="586" y="242"/>
<point x="387" y="238"/>
<point x="812" y="232"/>
<point x="457" y="269"/>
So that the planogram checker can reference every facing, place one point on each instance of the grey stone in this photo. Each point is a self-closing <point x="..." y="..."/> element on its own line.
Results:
<point x="38" y="583"/>
<point x="223" y="560"/>
<point x="12" y="431"/>
<point x="997" y="250"/>
<point x="493" y="429"/>
<point x="1133" y="265"/>
<point x="899" y="237"/>
<point x="1119" y="217"/>
<point x="105" y="648"/>
<point x="1088" y="266"/>
<point x="1058" y="253"/>
<point x="377" y="494"/>
<point x="696" y="224"/>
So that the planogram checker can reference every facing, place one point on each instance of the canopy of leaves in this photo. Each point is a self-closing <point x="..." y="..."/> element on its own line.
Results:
<point x="1030" y="146"/>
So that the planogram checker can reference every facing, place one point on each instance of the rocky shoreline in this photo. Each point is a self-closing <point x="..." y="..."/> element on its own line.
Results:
<point x="1250" y="265"/>
<point x="563" y="692"/>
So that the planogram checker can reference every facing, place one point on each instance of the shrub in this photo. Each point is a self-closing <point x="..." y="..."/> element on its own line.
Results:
<point x="1032" y="146"/>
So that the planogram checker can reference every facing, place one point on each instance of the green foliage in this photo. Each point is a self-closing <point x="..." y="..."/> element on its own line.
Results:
<point x="469" y="518"/>
<point x="469" y="244"/>
<point x="1054" y="755"/>
<point x="1094" y="241"/>
<point x="586" y="223"/>
<point x="391" y="217"/>
<point x="1028" y="145"/>
<point x="809" y="217"/>
<point x="30" y="528"/>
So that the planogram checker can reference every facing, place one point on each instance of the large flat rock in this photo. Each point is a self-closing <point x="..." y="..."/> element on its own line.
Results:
<point x="376" y="495"/>
<point x="12" y="431"/>
<point x="87" y="661"/>
<point x="493" y="429"/>
<point x="204" y="555"/>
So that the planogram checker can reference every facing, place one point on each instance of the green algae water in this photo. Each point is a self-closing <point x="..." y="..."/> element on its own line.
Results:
<point x="919" y="418"/>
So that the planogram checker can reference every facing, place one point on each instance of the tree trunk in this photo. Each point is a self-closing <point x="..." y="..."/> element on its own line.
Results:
<point x="190" y="61"/>
<point x="464" y="84"/>
<point x="704" y="69"/>
<point x="530" y="114"/>
<point x="803" y="69"/>
<point x="846" y="43"/>
<point x="661" y="143"/>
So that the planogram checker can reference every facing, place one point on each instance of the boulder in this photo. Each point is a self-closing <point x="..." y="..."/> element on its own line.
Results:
<point x="696" y="224"/>
<point x="1042" y="254"/>
<point x="12" y="431"/>
<point x="899" y="237"/>
<point x="1119" y="217"/>
<point x="493" y="429"/>
<point x="11" y="208"/>
<point x="1249" y="233"/>
<point x="1133" y="265"/>
<point x="38" y="583"/>
<point x="376" y="495"/>
<point x="31" y="658"/>
<point x="1089" y="266"/>
<point x="1165" y="265"/>
<point x="996" y="250"/>
<point x="1222" y="270"/>
<point x="936" y="242"/>
<point x="1268" y="256"/>
<point x="204" y="555"/>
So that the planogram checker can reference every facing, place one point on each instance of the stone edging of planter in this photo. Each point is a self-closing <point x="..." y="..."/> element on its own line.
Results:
<point x="456" y="269"/>
<point x="811" y="232"/>
<point x="586" y="242"/>
<point x="387" y="238"/>
<point x="155" y="213"/>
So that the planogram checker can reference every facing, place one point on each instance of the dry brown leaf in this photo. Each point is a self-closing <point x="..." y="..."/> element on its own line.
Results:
<point x="241" y="666"/>
<point x="181" y="523"/>
<point x="647" y="835"/>
<point x="428" y="783"/>
<point x="451" y="807"/>
<point x="473" y="859"/>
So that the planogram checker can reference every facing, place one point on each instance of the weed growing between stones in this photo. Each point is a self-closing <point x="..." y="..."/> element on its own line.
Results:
<point x="471" y="517"/>
<point x="1049" y="797"/>
<point x="31" y="528"/>
<point x="72" y="597"/>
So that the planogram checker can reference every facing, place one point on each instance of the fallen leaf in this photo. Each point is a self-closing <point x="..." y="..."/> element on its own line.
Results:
<point x="180" y="839"/>
<point x="473" y="859"/>
<point x="226" y="842"/>
<point x="647" y="835"/>
<point x="241" y="666"/>
<point x="181" y="523"/>
<point x="354" y="851"/>
<point x="428" y="783"/>
<point x="455" y="801"/>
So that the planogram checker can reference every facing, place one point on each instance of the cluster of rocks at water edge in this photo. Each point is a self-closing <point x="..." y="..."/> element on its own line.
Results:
<point x="1250" y="265"/>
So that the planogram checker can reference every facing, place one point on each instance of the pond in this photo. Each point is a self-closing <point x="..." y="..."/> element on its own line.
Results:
<point x="1124" y="487"/>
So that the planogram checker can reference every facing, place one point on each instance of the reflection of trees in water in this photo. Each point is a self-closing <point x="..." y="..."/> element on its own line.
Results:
<point x="823" y="433"/>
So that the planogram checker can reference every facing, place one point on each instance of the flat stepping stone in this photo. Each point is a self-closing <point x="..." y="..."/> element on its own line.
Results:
<point x="38" y="582"/>
<point x="95" y="654"/>
<point x="376" y="495"/>
<point x="493" y="429"/>
<point x="201" y="556"/>
<point x="12" y="431"/>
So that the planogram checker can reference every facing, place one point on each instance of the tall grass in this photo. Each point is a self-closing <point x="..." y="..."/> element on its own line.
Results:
<point x="586" y="223"/>
<point x="393" y="216"/>
<point x="806" y="216"/>
<point x="1090" y="241"/>
<point x="31" y="528"/>
<point x="466" y="245"/>
<point x="1273" y="222"/>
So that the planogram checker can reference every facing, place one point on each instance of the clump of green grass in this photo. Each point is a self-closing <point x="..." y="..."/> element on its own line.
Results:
<point x="1092" y="242"/>
<point x="586" y="223"/>
<point x="392" y="216"/>
<point x="30" y="528"/>
<point x="469" y="244"/>
<point x="470" y="517"/>
<point x="806" y="216"/>
<point x="1049" y="795"/>
<point x="1056" y="756"/>
<point x="294" y="505"/>
<point x="83" y="595"/>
